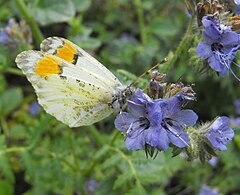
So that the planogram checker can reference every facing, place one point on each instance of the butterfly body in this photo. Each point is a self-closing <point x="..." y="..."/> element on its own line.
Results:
<point x="70" y="84"/>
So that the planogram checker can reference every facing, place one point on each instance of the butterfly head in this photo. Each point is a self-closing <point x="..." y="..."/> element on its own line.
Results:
<point x="121" y="96"/>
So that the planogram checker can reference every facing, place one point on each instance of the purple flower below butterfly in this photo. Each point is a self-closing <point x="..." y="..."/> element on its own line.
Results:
<point x="155" y="122"/>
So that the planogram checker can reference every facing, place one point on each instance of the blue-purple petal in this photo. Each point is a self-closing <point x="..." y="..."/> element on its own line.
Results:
<point x="154" y="113"/>
<point x="123" y="121"/>
<point x="136" y="143"/>
<point x="137" y="103"/>
<point x="215" y="63"/>
<point x="220" y="123"/>
<point x="230" y="39"/>
<point x="171" y="105"/>
<point x="164" y="141"/>
<point x="179" y="138"/>
<point x="186" y="117"/>
<point x="215" y="142"/>
<point x="203" y="51"/>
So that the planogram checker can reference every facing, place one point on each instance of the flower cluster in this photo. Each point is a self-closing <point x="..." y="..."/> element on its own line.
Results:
<point x="15" y="35"/>
<point x="220" y="46"/>
<point x="156" y="123"/>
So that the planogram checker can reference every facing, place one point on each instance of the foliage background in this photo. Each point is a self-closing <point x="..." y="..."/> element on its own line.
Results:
<point x="39" y="155"/>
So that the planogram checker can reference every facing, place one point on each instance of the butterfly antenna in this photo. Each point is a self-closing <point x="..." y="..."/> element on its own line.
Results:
<point x="148" y="71"/>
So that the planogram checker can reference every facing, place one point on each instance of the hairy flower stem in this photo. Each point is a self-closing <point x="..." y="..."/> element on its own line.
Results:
<point x="186" y="39"/>
<point x="143" y="33"/>
<point x="30" y="20"/>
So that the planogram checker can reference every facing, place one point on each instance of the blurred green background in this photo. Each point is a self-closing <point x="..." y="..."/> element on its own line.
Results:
<point x="40" y="155"/>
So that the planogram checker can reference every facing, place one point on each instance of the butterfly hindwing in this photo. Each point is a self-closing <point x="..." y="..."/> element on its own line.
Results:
<point x="72" y="101"/>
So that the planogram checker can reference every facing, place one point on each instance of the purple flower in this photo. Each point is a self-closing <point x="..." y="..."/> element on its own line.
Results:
<point x="237" y="106"/>
<point x="34" y="108"/>
<point x="220" y="133"/>
<point x="175" y="120"/>
<point x="220" y="46"/>
<point x="155" y="122"/>
<point x="90" y="186"/>
<point x="206" y="190"/>
<point x="237" y="7"/>
<point x="15" y="34"/>
<point x="4" y="37"/>
<point x="235" y="122"/>
<point x="213" y="161"/>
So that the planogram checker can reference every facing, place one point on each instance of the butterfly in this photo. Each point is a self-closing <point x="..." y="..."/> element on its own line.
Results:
<point x="70" y="84"/>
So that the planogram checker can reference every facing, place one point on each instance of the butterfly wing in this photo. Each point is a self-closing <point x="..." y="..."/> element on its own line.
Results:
<point x="82" y="60"/>
<point x="73" y="95"/>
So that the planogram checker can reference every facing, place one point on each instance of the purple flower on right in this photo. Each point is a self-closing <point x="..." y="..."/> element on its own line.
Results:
<point x="220" y="46"/>
<point x="220" y="133"/>
<point x="237" y="7"/>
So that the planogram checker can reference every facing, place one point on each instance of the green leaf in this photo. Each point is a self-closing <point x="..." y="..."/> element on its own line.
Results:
<point x="112" y="161"/>
<point x="122" y="179"/>
<point x="3" y="83"/>
<point x="82" y="5"/>
<point x="101" y="152"/>
<point x="5" y="167"/>
<point x="137" y="190"/>
<point x="209" y="149"/>
<point x="6" y="188"/>
<point x="18" y="131"/>
<point x="162" y="27"/>
<point x="52" y="11"/>
<point x="176" y="151"/>
<point x="3" y="58"/>
<point x="10" y="100"/>
<point x="90" y="43"/>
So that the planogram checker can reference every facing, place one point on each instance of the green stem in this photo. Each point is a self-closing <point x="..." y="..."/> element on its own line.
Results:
<point x="115" y="135"/>
<point x="97" y="136"/>
<point x="12" y="71"/>
<point x="186" y="39"/>
<point x="72" y="145"/>
<point x="133" y="170"/>
<point x="94" y="161"/>
<point x="13" y="149"/>
<point x="61" y="158"/>
<point x="29" y="18"/>
<point x="4" y="126"/>
<point x="143" y="33"/>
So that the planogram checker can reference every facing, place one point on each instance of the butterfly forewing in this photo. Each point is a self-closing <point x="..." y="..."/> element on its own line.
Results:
<point x="81" y="59"/>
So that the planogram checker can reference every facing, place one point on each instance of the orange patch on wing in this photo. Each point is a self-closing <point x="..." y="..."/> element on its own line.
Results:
<point x="67" y="52"/>
<point x="48" y="66"/>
